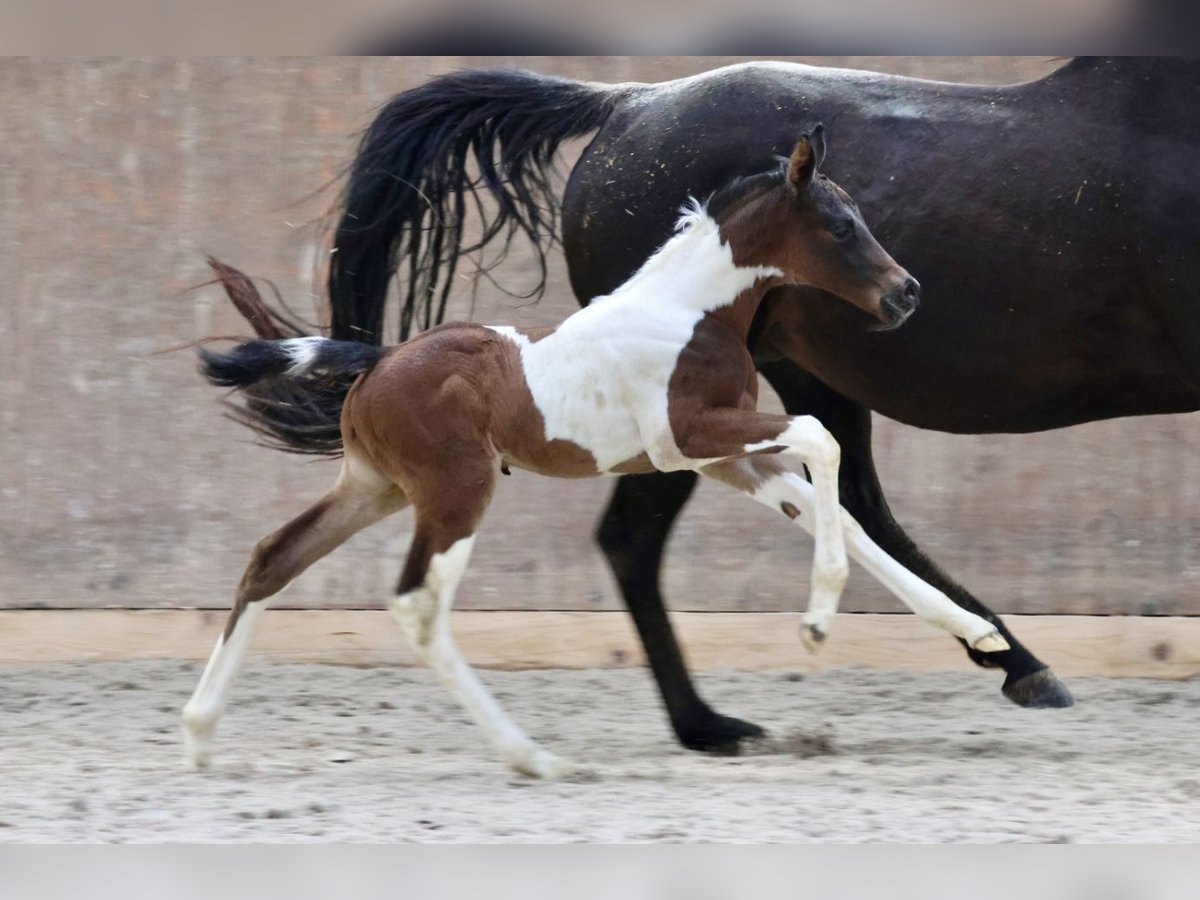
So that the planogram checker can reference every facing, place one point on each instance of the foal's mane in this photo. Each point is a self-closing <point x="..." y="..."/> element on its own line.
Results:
<point x="725" y="198"/>
<point x="743" y="188"/>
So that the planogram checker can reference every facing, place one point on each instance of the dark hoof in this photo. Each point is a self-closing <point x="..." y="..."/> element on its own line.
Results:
<point x="1041" y="690"/>
<point x="717" y="734"/>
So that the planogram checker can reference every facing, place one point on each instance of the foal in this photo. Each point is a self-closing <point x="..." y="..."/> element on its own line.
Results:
<point x="654" y="377"/>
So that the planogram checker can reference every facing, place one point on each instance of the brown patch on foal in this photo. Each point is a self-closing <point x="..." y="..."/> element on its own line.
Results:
<point x="714" y="381"/>
<point x="639" y="465"/>
<point x="466" y="380"/>
<point x="271" y="565"/>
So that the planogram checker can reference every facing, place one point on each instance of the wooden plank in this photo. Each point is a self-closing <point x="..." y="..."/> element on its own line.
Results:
<point x="1160" y="647"/>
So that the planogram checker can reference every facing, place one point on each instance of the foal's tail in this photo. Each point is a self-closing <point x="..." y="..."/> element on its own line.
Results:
<point x="297" y="388"/>
<point x="406" y="199"/>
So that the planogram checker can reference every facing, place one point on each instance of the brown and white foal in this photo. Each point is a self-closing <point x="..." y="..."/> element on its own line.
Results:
<point x="655" y="376"/>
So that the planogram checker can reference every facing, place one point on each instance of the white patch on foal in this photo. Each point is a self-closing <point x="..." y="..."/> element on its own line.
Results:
<point x="424" y="616"/>
<point x="600" y="380"/>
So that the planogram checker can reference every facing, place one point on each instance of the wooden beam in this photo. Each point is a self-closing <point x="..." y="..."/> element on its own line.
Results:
<point x="1165" y="647"/>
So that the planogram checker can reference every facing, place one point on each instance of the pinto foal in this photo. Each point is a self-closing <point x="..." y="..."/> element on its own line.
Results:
<point x="654" y="377"/>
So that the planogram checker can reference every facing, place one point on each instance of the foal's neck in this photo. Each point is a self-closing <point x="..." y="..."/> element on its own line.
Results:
<point x="739" y="314"/>
<point x="695" y="270"/>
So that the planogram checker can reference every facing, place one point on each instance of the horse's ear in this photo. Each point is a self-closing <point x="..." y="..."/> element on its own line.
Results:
<point x="806" y="158"/>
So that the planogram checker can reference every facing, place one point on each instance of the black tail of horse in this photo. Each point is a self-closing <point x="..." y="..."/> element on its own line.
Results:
<point x="293" y="389"/>
<point x="407" y="196"/>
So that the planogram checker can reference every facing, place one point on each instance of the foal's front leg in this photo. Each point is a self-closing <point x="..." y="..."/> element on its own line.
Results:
<point x="769" y="482"/>
<point x="729" y="433"/>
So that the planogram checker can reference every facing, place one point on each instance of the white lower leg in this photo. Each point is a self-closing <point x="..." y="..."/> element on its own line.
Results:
<point x="922" y="598"/>
<point x="811" y="442"/>
<point x="202" y="711"/>
<point x="424" y="615"/>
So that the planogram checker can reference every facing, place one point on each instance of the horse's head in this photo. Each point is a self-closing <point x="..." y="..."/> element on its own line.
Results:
<point x="812" y="231"/>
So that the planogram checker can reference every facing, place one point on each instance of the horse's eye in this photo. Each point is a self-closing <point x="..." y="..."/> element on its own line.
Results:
<point x="843" y="230"/>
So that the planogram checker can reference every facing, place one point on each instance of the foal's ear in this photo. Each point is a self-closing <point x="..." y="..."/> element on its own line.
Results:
<point x="807" y="158"/>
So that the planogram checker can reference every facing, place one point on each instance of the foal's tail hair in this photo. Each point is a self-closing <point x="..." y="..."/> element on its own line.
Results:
<point x="296" y="388"/>
<point x="406" y="199"/>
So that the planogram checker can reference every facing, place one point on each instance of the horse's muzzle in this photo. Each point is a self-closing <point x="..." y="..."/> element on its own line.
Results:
<point x="900" y="304"/>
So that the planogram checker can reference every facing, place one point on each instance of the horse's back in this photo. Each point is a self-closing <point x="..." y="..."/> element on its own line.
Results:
<point x="1049" y="224"/>
<point x="689" y="136"/>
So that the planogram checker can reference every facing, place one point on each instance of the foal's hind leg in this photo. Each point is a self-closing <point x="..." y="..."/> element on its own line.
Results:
<point x="769" y="482"/>
<point x="360" y="498"/>
<point x="448" y="516"/>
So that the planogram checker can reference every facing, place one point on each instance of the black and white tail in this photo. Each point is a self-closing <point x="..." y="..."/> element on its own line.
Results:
<point x="253" y="361"/>
<point x="294" y="388"/>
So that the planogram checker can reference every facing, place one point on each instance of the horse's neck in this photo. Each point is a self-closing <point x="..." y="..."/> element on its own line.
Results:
<point x="695" y="271"/>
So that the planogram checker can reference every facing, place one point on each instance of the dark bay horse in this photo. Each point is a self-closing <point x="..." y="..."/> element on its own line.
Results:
<point x="1054" y="225"/>
<point x="654" y="377"/>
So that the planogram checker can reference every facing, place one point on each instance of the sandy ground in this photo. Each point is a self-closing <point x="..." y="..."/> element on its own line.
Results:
<point x="326" y="753"/>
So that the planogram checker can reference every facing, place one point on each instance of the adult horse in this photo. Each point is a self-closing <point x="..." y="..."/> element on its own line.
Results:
<point x="1053" y="224"/>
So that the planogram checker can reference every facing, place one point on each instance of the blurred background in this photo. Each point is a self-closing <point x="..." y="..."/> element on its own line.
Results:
<point x="122" y="485"/>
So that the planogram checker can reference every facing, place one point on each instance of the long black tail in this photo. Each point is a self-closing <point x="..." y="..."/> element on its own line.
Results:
<point x="293" y="389"/>
<point x="407" y="196"/>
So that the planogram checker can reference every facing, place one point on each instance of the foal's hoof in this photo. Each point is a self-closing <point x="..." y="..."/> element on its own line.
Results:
<point x="991" y="643"/>
<point x="1041" y="690"/>
<point x="719" y="735"/>
<point x="197" y="749"/>
<point x="198" y="734"/>
<point x="538" y="763"/>
<point x="813" y="637"/>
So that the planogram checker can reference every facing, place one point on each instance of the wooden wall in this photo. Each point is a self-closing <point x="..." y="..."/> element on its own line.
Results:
<point x="121" y="485"/>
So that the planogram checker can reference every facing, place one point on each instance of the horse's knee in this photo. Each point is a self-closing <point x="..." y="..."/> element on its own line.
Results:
<point x="639" y="516"/>
<point x="632" y="537"/>
<point x="632" y="556"/>
<point x="612" y="533"/>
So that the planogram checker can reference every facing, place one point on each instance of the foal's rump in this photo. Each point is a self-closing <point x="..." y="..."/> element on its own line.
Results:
<point x="295" y="390"/>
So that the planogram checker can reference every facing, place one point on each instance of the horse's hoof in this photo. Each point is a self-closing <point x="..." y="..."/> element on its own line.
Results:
<point x="1041" y="690"/>
<point x="813" y="637"/>
<point x="991" y="643"/>
<point x="719" y="735"/>
<point x="539" y="763"/>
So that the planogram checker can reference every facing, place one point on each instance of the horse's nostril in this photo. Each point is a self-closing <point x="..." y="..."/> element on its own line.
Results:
<point x="902" y="302"/>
